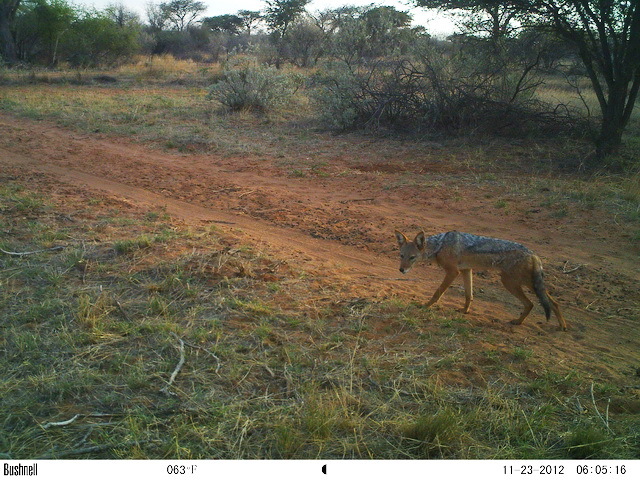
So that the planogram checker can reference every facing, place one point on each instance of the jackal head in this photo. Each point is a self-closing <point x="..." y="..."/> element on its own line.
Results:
<point x="410" y="251"/>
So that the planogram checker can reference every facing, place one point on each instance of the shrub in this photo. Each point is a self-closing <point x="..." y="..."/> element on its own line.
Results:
<point x="98" y="40"/>
<point x="254" y="87"/>
<point x="339" y="97"/>
<point x="435" y="91"/>
<point x="407" y="94"/>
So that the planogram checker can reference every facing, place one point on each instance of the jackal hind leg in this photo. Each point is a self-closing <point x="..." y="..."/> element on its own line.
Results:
<point x="556" y="310"/>
<point x="515" y="289"/>
<point x="467" y="278"/>
<point x="446" y="283"/>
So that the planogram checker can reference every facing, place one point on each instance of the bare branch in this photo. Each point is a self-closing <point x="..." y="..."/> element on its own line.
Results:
<point x="61" y="424"/>
<point x="176" y="370"/>
<point x="22" y="254"/>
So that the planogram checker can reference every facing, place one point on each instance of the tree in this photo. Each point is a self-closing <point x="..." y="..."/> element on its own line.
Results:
<point x="96" y="39"/>
<point x="384" y="28"/>
<point x="305" y="41"/>
<point x="280" y="14"/>
<point x="249" y="19"/>
<point x="606" y="36"/>
<point x="39" y="28"/>
<point x="381" y="20"/>
<point x="224" y="23"/>
<point x="156" y="17"/>
<point x="357" y="33"/>
<point x="487" y="17"/>
<point x="122" y="16"/>
<point x="8" y="10"/>
<point x="182" y="13"/>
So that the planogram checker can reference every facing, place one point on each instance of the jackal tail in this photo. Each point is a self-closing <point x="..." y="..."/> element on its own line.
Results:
<point x="539" y="288"/>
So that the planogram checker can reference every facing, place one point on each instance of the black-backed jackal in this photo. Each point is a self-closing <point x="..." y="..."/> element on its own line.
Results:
<point x="458" y="252"/>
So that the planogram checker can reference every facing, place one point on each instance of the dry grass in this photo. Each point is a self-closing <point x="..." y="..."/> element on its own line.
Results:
<point x="273" y="367"/>
<point x="574" y="94"/>
<point x="277" y="365"/>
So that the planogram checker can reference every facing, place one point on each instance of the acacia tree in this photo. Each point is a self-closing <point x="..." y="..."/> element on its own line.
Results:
<point x="156" y="17"/>
<point x="280" y="15"/>
<point x="606" y="36"/>
<point x="122" y="16"/>
<point x="224" y="23"/>
<point x="249" y="18"/>
<point x="354" y="34"/>
<point x="495" y="19"/>
<point x="182" y="13"/>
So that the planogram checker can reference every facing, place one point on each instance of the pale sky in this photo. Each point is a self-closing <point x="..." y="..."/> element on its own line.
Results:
<point x="436" y="24"/>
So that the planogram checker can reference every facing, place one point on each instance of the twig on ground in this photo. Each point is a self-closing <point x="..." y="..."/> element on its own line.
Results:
<point x="61" y="424"/>
<point x="22" y="254"/>
<point x="176" y="370"/>
<point x="564" y="267"/>
<point x="354" y="200"/>
<point x="246" y="193"/>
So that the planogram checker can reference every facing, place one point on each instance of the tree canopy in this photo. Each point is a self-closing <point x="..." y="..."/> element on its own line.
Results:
<point x="280" y="14"/>
<point x="605" y="35"/>
<point x="182" y="13"/>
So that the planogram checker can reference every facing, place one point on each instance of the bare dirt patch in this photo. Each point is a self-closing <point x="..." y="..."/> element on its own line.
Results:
<point x="336" y="220"/>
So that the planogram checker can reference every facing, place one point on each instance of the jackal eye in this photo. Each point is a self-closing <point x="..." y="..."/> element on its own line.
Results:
<point x="412" y="257"/>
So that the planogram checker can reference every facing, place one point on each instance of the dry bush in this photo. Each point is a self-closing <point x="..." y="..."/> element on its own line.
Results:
<point x="251" y="86"/>
<point x="434" y="91"/>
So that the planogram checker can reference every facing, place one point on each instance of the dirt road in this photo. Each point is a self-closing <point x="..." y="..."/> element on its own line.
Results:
<point x="339" y="224"/>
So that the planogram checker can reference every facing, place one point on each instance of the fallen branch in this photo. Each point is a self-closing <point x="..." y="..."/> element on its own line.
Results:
<point x="564" y="268"/>
<point x="246" y="193"/>
<point x="354" y="200"/>
<point x="60" y="424"/>
<point x="22" y="254"/>
<point x="176" y="370"/>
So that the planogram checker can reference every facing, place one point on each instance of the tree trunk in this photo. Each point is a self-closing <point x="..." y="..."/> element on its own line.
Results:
<point x="614" y="119"/>
<point x="609" y="139"/>
<point x="8" y="9"/>
<point x="8" y="50"/>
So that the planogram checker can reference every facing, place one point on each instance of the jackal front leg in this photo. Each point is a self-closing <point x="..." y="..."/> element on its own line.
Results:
<point x="467" y="278"/>
<point x="446" y="283"/>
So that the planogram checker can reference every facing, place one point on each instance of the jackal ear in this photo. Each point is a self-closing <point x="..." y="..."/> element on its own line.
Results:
<point x="402" y="239"/>
<point x="420" y="241"/>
